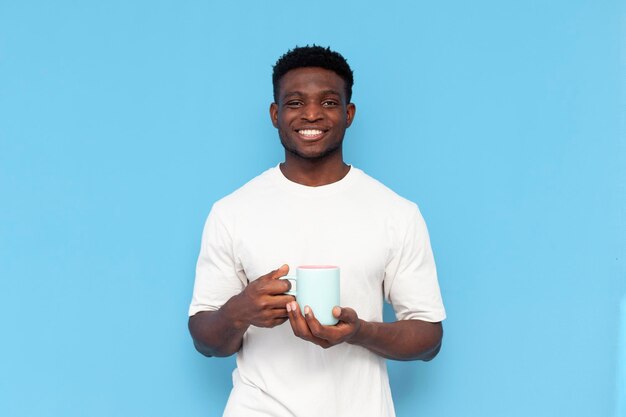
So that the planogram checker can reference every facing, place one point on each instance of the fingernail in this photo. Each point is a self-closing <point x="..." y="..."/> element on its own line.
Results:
<point x="307" y="310"/>
<point x="288" y="307"/>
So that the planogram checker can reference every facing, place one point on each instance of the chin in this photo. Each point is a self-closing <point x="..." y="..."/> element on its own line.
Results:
<point x="312" y="156"/>
<point x="309" y="154"/>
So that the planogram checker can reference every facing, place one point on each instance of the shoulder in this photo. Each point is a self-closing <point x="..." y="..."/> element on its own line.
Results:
<point x="380" y="196"/>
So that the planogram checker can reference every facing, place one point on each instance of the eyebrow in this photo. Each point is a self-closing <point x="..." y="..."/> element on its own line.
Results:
<point x="300" y="93"/>
<point x="330" y="92"/>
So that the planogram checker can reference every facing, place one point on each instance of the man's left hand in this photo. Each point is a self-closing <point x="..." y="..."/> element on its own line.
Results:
<point x="307" y="327"/>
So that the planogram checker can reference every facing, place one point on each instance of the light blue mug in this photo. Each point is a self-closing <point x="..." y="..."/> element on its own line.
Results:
<point x="316" y="286"/>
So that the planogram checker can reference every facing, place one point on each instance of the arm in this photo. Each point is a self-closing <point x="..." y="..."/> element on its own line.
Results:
<point x="261" y="303"/>
<point x="400" y="340"/>
<point x="217" y="333"/>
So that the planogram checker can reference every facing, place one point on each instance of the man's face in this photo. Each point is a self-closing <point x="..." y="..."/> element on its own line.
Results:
<point x="312" y="114"/>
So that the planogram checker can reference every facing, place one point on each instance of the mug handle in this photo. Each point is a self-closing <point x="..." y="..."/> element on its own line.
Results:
<point x="293" y="280"/>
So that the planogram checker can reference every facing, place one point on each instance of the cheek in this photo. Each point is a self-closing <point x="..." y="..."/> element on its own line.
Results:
<point x="282" y="126"/>
<point x="282" y="121"/>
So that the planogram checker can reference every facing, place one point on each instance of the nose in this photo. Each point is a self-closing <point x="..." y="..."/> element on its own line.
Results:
<point x="312" y="112"/>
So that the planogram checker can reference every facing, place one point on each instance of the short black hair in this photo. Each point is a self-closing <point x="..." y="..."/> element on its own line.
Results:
<point x="313" y="56"/>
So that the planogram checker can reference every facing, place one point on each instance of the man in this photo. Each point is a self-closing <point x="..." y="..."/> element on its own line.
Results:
<point x="314" y="209"/>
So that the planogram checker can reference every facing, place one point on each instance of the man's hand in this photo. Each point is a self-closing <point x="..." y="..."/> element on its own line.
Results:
<point x="401" y="340"/>
<point x="309" y="328"/>
<point x="262" y="302"/>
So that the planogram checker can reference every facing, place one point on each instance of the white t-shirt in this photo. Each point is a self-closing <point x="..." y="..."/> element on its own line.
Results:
<point x="380" y="242"/>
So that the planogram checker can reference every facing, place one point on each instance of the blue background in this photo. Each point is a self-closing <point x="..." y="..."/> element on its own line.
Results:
<point x="122" y="122"/>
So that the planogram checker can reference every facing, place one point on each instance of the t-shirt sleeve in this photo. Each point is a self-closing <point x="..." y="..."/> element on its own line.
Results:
<point x="217" y="279"/>
<point x="410" y="284"/>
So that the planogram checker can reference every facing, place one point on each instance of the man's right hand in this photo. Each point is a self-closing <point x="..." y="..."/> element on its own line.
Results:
<point x="263" y="302"/>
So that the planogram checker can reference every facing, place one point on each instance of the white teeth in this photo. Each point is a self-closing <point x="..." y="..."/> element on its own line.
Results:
<point x="310" y="132"/>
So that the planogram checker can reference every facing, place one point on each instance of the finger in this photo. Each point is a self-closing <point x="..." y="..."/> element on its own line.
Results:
<point x="345" y="314"/>
<point x="292" y="319"/>
<point x="280" y="313"/>
<point x="280" y="272"/>
<point x="301" y="328"/>
<point x="269" y="302"/>
<point x="314" y="325"/>
<point x="293" y="311"/>
<point x="277" y="286"/>
<point x="271" y="318"/>
<point x="276" y="273"/>
<point x="273" y="322"/>
<point x="299" y="325"/>
<point x="279" y="321"/>
<point x="273" y="313"/>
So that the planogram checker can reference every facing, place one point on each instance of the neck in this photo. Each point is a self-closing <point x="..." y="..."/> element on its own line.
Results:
<point x="314" y="172"/>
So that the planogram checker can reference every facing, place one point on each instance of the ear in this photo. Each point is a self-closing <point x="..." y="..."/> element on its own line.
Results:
<point x="350" y="112"/>
<point x="274" y="114"/>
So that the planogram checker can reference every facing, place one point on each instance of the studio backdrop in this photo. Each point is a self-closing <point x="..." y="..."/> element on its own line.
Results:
<point x="121" y="122"/>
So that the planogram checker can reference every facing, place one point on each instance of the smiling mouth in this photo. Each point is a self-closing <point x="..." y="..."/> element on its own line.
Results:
<point x="310" y="134"/>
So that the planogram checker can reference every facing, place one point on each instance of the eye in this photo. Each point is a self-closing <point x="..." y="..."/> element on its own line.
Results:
<point x="330" y="103"/>
<point x="293" y="103"/>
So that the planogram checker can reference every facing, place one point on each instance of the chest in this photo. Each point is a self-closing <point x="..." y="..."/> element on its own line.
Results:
<point x="349" y="236"/>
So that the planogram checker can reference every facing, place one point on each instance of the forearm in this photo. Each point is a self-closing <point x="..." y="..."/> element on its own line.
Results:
<point x="401" y="340"/>
<point x="216" y="333"/>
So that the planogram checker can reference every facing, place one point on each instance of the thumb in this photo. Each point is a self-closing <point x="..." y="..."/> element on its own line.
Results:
<point x="345" y="314"/>
<point x="280" y="272"/>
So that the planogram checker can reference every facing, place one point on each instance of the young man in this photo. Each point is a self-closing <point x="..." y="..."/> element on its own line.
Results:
<point x="314" y="209"/>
